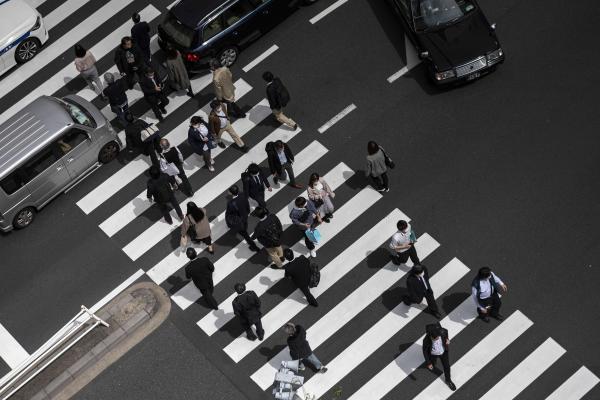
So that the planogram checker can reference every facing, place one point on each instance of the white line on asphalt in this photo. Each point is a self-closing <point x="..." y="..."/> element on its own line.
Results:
<point x="10" y="350"/>
<point x="337" y="118"/>
<point x="326" y="11"/>
<point x="63" y="11"/>
<point x="398" y="74"/>
<point x="576" y="386"/>
<point x="115" y="292"/>
<point x="526" y="372"/>
<point x="260" y="58"/>
<point x="412" y="60"/>
<point x="172" y="4"/>
<point x="479" y="356"/>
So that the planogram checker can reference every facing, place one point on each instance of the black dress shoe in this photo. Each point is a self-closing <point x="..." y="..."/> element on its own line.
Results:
<point x="451" y="385"/>
<point x="498" y="317"/>
<point x="255" y="248"/>
<point x="251" y="337"/>
<point x="275" y="180"/>
<point x="485" y="318"/>
<point x="325" y="219"/>
<point x="163" y="110"/>
<point x="221" y="145"/>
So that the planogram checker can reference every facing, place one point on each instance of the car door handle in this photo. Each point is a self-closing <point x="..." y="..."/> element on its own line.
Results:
<point x="69" y="160"/>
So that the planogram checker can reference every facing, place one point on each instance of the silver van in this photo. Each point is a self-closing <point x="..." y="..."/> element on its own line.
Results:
<point x="46" y="148"/>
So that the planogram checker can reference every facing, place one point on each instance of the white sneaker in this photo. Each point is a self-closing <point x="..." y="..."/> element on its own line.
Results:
<point x="301" y="367"/>
<point x="212" y="162"/>
<point x="211" y="168"/>
<point x="313" y="253"/>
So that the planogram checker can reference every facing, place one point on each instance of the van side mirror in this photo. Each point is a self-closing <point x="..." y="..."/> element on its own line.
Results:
<point x="424" y="54"/>
<point x="493" y="26"/>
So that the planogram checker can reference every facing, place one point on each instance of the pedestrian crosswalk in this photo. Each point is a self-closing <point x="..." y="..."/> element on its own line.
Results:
<point x="349" y="242"/>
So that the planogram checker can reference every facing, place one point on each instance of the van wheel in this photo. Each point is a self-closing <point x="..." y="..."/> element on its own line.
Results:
<point x="108" y="152"/>
<point x="24" y="218"/>
<point x="228" y="56"/>
<point x="26" y="50"/>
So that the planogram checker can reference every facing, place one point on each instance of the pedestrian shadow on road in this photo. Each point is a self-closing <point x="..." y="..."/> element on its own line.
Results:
<point x="356" y="180"/>
<point x="176" y="283"/>
<point x="377" y="258"/>
<point x="451" y="302"/>
<point x="270" y="352"/>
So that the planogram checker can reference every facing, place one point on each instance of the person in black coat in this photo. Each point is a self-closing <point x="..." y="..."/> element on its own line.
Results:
<point x="201" y="141"/>
<point x="435" y="345"/>
<point x="419" y="287"/>
<point x="200" y="270"/>
<point x="173" y="155"/>
<point x="236" y="216"/>
<point x="129" y="61"/>
<point x="299" y="271"/>
<point x="246" y="306"/>
<point x="153" y="93"/>
<point x="133" y="139"/>
<point x="255" y="182"/>
<point x="268" y="233"/>
<point x="280" y="158"/>
<point x="160" y="190"/>
<point x="278" y="96"/>
<point x="116" y="92"/>
<point x="140" y="33"/>
<point x="300" y="349"/>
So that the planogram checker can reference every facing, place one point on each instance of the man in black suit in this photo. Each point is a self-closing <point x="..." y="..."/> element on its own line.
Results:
<point x="255" y="183"/>
<point x="140" y="33"/>
<point x="160" y="189"/>
<point x="280" y="159"/>
<point x="129" y="61"/>
<point x="153" y="93"/>
<point x="236" y="216"/>
<point x="200" y="270"/>
<point x="246" y="306"/>
<point x="418" y="287"/>
<point x="299" y="271"/>
<point x="435" y="345"/>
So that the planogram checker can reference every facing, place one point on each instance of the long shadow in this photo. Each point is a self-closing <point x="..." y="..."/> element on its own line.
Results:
<point x="270" y="352"/>
<point x="378" y="258"/>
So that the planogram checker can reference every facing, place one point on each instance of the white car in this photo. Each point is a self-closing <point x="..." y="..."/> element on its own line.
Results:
<point x="22" y="33"/>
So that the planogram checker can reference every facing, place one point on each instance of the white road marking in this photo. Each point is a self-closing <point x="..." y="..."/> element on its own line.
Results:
<point x="479" y="356"/>
<point x="172" y="4"/>
<point x="398" y="74"/>
<point x="576" y="386"/>
<point x="526" y="372"/>
<point x="412" y="60"/>
<point x="11" y="351"/>
<point x="61" y="12"/>
<point x="381" y="332"/>
<point x="326" y="11"/>
<point x="337" y="118"/>
<point x="260" y="58"/>
<point x="189" y="294"/>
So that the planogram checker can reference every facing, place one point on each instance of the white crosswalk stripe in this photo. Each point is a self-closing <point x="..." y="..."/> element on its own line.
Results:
<point x="189" y="294"/>
<point x="61" y="12"/>
<point x="576" y="386"/>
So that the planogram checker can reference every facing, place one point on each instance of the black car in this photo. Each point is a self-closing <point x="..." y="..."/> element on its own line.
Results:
<point x="203" y="29"/>
<point x="453" y="37"/>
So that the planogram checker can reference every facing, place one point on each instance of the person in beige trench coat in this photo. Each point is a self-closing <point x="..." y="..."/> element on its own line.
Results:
<point x="224" y="88"/>
<point x="197" y="217"/>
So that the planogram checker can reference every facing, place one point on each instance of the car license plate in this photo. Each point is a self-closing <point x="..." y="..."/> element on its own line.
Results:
<point x="474" y="75"/>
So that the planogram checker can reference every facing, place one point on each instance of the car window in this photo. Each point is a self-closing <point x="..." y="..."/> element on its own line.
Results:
<point x="78" y="114"/>
<point x="236" y="12"/>
<point x="14" y="181"/>
<point x="431" y="14"/>
<point x="212" y="28"/>
<point x="22" y="175"/>
<point x="181" y="34"/>
<point x="72" y="139"/>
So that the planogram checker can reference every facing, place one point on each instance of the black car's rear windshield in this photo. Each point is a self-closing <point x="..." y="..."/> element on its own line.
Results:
<point x="432" y="14"/>
<point x="179" y="33"/>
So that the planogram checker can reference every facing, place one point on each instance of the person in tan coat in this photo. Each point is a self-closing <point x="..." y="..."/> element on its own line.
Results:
<point x="224" y="88"/>
<point x="321" y="194"/>
<point x="219" y="122"/>
<point x="197" y="218"/>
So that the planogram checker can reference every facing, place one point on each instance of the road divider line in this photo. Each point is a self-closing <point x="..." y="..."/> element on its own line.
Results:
<point x="326" y="11"/>
<point x="337" y="118"/>
<point x="260" y="58"/>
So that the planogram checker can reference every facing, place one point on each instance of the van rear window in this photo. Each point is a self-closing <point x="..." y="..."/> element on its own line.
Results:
<point x="178" y="32"/>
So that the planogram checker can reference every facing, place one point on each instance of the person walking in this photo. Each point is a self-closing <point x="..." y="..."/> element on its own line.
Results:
<point x="376" y="167"/>
<point x="305" y="216"/>
<point x="201" y="141"/>
<point x="178" y="75"/>
<point x="129" y="61"/>
<point x="278" y="98"/>
<point x="153" y="93"/>
<point x="255" y="182"/>
<point x="418" y="286"/>
<point x="140" y="33"/>
<point x="281" y="158"/>
<point x="173" y="155"/>
<point x="200" y="271"/>
<point x="85" y="63"/>
<point x="268" y="233"/>
<point x="299" y="271"/>
<point x="246" y="306"/>
<point x="435" y="345"/>
<point x="133" y="138"/>
<point x="321" y="194"/>
<point x="403" y="244"/>
<point x="485" y="289"/>
<point x="195" y="227"/>
<point x="160" y="189"/>
<point x="116" y="93"/>
<point x="300" y="349"/>
<point x="224" y="87"/>
<point x="236" y="216"/>
<point x="219" y="122"/>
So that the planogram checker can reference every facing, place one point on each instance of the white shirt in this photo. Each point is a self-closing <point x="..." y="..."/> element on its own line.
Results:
<point x="422" y="279"/>
<point x="399" y="239"/>
<point x="485" y="289"/>
<point x="222" y="118"/>
<point x="282" y="157"/>
<point x="437" y="347"/>
<point x="203" y="134"/>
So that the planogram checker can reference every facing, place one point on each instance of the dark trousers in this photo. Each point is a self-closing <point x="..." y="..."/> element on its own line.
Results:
<point x="165" y="210"/>
<point x="207" y="293"/>
<point x="431" y="303"/>
<point x="493" y="302"/>
<point x="186" y="186"/>
<point x="260" y="199"/>
<point x="151" y="148"/>
<point x="248" y="327"/>
<point x="445" y="362"/>
<point x="121" y="111"/>
<point x="287" y="167"/>
<point x="381" y="181"/>
<point x="309" y="297"/>
<point x="131" y="77"/>
<point x="244" y="233"/>
<point x="157" y="102"/>
<point x="402" y="258"/>
<point x="309" y="245"/>
<point x="233" y="108"/>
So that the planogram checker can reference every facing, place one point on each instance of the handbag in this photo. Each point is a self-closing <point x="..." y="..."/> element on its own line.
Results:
<point x="313" y="235"/>
<point x="211" y="140"/>
<point x="191" y="231"/>
<point x="388" y="160"/>
<point x="168" y="168"/>
<point x="149" y="133"/>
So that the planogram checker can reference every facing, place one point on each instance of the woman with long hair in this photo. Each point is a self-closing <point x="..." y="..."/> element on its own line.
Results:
<point x="321" y="194"/>
<point x="195" y="227"/>
<point x="85" y="62"/>
<point x="376" y="167"/>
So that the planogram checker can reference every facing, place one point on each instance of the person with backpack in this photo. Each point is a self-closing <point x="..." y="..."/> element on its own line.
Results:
<point x="246" y="306"/>
<point x="160" y="188"/>
<point x="201" y="141"/>
<point x="268" y="233"/>
<point x="195" y="227"/>
<point x="305" y="216"/>
<point x="255" y="182"/>
<point x="485" y="289"/>
<point x="278" y="97"/>
<point x="281" y="158"/>
<point x="219" y="122"/>
<point x="172" y="155"/>
<point x="200" y="270"/>
<point x="435" y="345"/>
<point x="236" y="216"/>
<point x="303" y="274"/>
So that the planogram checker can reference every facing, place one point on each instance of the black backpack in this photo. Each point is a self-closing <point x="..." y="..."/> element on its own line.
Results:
<point x="315" y="276"/>
<point x="284" y="95"/>
<point x="272" y="235"/>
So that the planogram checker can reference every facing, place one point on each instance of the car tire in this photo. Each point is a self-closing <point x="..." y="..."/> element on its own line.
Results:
<point x="108" y="152"/>
<point x="228" y="56"/>
<point x="24" y="218"/>
<point x="26" y="50"/>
